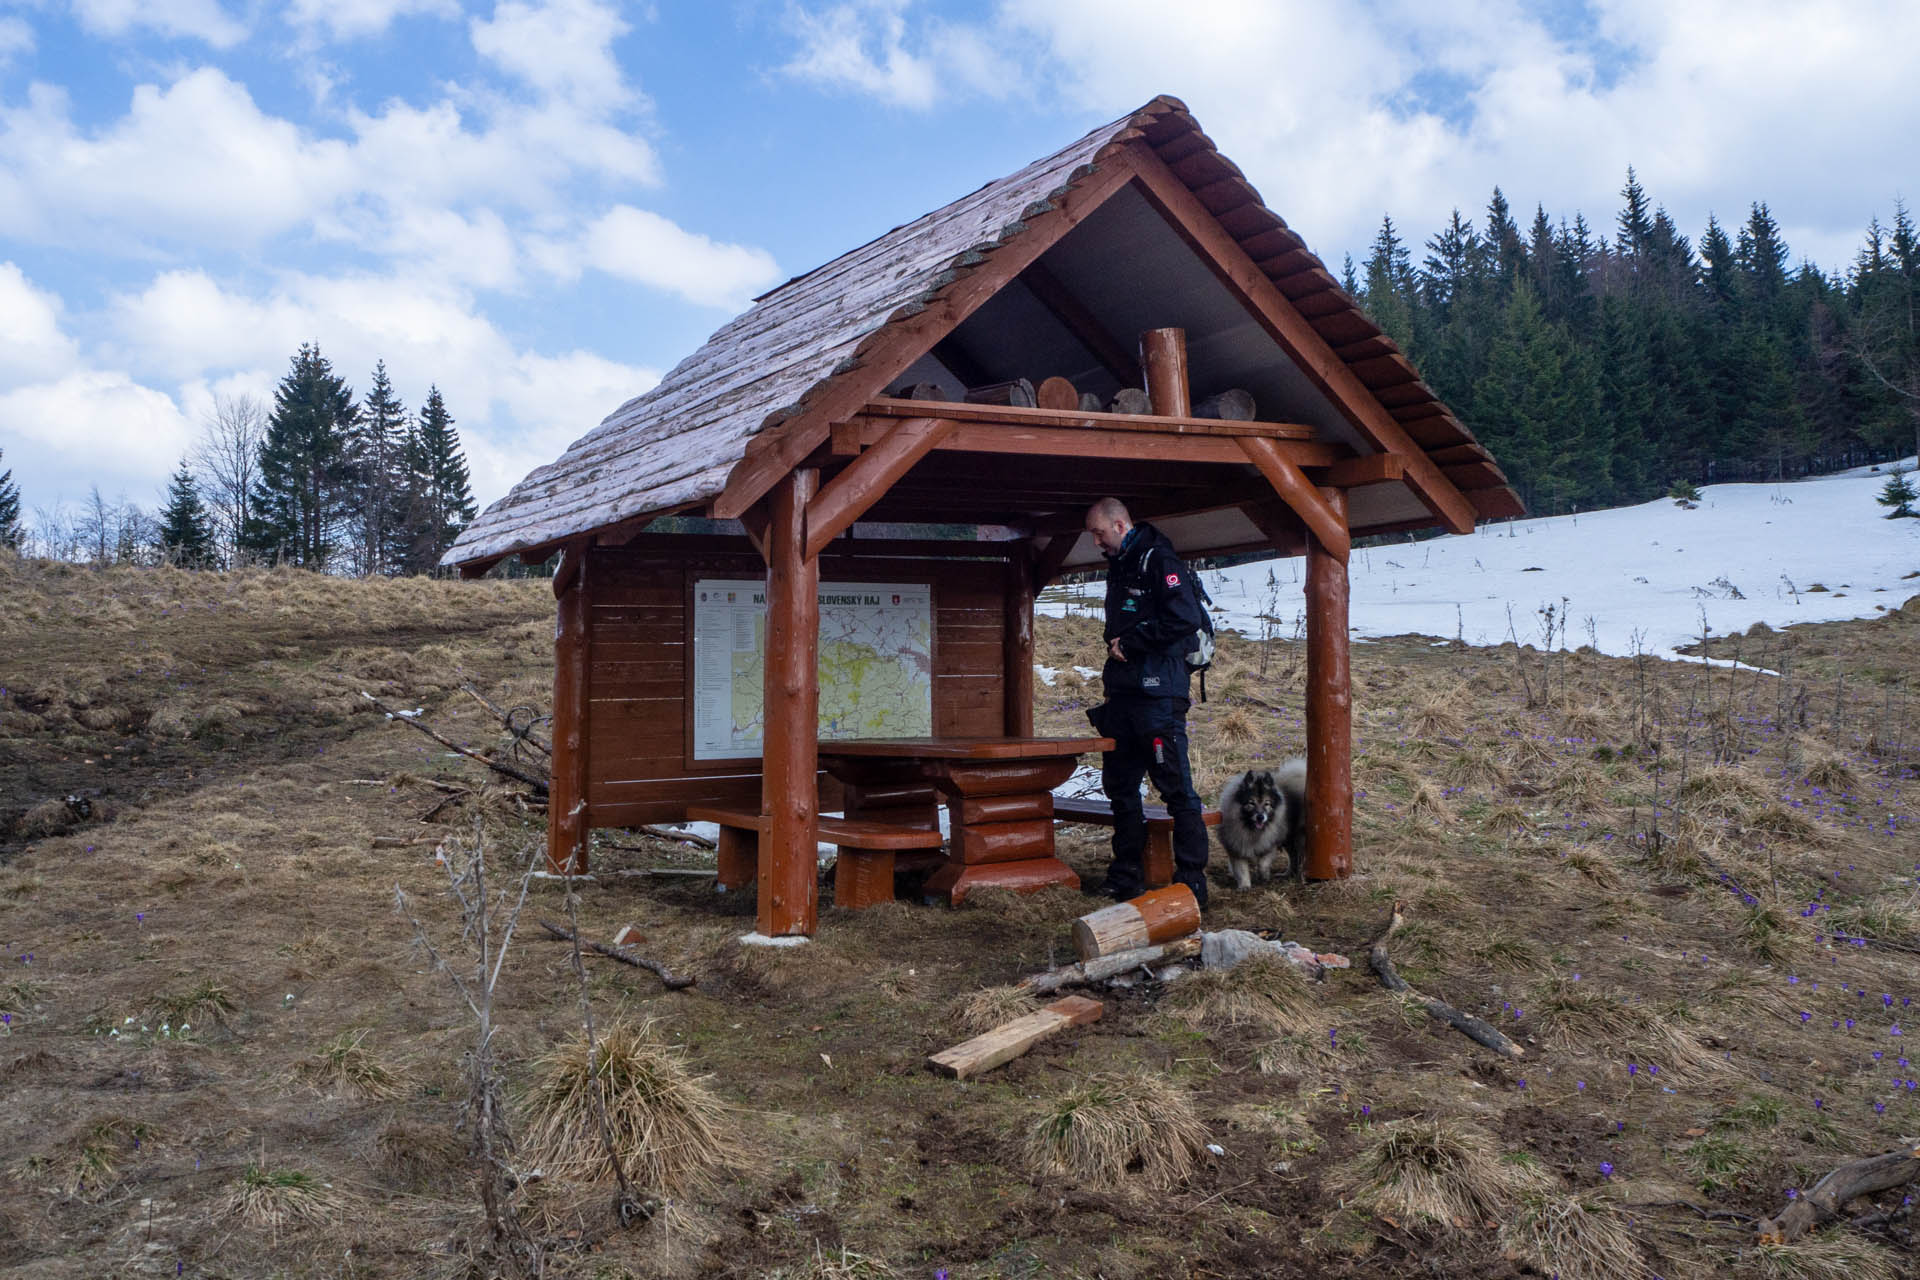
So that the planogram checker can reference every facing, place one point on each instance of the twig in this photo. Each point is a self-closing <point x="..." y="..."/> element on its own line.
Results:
<point x="666" y="975"/>
<point x="1465" y="1023"/>
<point x="1726" y="1215"/>
<point x="498" y="766"/>
<point x="678" y="837"/>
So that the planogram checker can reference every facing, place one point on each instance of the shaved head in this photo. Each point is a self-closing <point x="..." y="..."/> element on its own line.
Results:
<point x="1108" y="522"/>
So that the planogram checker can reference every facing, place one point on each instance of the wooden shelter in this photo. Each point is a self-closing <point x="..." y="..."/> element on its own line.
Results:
<point x="866" y="423"/>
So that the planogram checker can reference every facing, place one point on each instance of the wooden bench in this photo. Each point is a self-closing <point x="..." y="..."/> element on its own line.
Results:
<point x="1097" y="811"/>
<point x="863" y="875"/>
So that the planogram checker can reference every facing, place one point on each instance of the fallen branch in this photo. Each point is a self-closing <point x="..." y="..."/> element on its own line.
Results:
<point x="1465" y="1023"/>
<point x="666" y="975"/>
<point x="677" y="837"/>
<point x="405" y="842"/>
<point x="1100" y="968"/>
<point x="1830" y="1195"/>
<point x="498" y="766"/>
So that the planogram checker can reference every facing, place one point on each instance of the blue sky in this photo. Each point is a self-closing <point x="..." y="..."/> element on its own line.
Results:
<point x="540" y="205"/>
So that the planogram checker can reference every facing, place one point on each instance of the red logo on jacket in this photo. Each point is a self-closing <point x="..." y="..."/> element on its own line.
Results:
<point x="1173" y="579"/>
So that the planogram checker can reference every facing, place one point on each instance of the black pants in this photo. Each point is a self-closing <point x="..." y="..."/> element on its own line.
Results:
<point x="1150" y="741"/>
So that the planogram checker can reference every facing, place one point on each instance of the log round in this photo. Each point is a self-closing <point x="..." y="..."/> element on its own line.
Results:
<point x="1159" y="915"/>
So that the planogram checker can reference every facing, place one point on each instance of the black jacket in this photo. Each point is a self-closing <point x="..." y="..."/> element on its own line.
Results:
<point x="1154" y="610"/>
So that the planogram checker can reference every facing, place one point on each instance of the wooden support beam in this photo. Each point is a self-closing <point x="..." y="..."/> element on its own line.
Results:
<point x="572" y="556"/>
<point x="1284" y="322"/>
<point x="1046" y="565"/>
<point x="1082" y="324"/>
<point x="1298" y="492"/>
<point x="1375" y="468"/>
<point x="1016" y="646"/>
<point x="567" y="789"/>
<point x="1329" y="708"/>
<point x="1020" y="415"/>
<point x="868" y="476"/>
<point x="1277" y="523"/>
<point x="1163" y="354"/>
<point x="788" y="865"/>
<point x="754" y="522"/>
<point x="887" y="355"/>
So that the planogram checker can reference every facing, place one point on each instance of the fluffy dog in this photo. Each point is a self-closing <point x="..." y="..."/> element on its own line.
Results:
<point x="1263" y="814"/>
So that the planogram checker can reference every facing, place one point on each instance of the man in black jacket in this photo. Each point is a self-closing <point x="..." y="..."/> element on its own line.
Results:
<point x="1153" y="611"/>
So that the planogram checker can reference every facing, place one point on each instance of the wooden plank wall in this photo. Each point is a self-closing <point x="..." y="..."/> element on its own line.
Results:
<point x="638" y="765"/>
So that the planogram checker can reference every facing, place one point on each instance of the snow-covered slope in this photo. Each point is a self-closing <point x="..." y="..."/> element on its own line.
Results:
<point x="1633" y="576"/>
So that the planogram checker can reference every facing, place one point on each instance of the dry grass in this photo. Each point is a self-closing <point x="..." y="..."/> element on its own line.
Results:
<point x="1237" y="728"/>
<point x="411" y="1153"/>
<point x="276" y="1198"/>
<point x="1579" y="787"/>
<point x="1115" y="1128"/>
<point x="1573" y="1239"/>
<point x="1591" y="1018"/>
<point x="1439" y="1170"/>
<point x="674" y="1135"/>
<point x="346" y="1066"/>
<point x="1835" y="1256"/>
<point x="976" y="1012"/>
<point x="1429" y="804"/>
<point x="1829" y="770"/>
<point x="1262" y="992"/>
<point x="1725" y="791"/>
<point x="206" y="1003"/>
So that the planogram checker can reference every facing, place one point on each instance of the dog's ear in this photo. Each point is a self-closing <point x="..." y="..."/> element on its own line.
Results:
<point x="1266" y="776"/>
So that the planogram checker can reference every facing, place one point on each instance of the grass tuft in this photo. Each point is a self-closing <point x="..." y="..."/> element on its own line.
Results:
<point x="674" y="1135"/>
<point x="1263" y="992"/>
<point x="275" y="1198"/>
<point x="206" y="1003"/>
<point x="1835" y="1256"/>
<point x="1570" y="1238"/>
<point x="346" y="1066"/>
<point x="1115" y="1127"/>
<point x="1437" y="1170"/>
<point x="981" y="1011"/>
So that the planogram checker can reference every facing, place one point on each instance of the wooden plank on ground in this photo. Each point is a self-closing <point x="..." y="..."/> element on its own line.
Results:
<point x="1009" y="1040"/>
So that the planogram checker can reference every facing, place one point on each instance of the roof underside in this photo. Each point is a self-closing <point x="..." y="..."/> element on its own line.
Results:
<point x="673" y="448"/>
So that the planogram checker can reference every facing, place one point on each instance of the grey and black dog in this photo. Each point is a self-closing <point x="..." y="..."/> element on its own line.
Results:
<point x="1263" y="816"/>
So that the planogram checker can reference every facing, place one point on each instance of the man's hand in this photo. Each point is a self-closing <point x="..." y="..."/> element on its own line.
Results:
<point x="1113" y="647"/>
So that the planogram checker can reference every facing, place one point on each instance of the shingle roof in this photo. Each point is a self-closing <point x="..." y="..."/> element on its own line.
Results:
<point x="675" y="444"/>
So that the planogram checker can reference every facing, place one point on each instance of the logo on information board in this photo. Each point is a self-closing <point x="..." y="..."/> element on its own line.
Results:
<point x="729" y="597"/>
<point x="896" y="599"/>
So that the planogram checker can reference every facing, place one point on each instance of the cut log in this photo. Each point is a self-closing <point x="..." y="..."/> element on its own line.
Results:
<point x="1163" y="358"/>
<point x="1096" y="971"/>
<point x="1018" y="392"/>
<point x="1091" y="403"/>
<point x="1159" y="915"/>
<point x="919" y="391"/>
<point x="1233" y="405"/>
<point x="1130" y="400"/>
<point x="1830" y="1195"/>
<point x="1009" y="1040"/>
<point x="1057" y="393"/>
<point x="1465" y="1023"/>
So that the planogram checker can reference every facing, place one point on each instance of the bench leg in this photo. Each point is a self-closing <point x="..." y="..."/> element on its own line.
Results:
<point x="1159" y="855"/>
<point x="738" y="855"/>
<point x="863" y="878"/>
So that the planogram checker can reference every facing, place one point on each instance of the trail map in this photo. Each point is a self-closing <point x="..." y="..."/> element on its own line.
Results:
<point x="876" y="663"/>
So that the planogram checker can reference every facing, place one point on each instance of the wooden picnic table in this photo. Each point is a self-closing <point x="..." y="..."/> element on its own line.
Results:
<point x="998" y="793"/>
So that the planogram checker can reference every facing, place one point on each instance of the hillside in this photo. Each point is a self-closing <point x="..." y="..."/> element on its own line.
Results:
<point x="1711" y="999"/>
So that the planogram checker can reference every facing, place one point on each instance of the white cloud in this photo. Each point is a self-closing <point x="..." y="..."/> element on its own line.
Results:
<point x="94" y="421"/>
<point x="16" y="37"/>
<point x="516" y="408"/>
<point x="353" y="19"/>
<point x="563" y="48"/>
<point x="32" y="343"/>
<point x="641" y="246"/>
<point x="1342" y="112"/>
<point x="194" y="19"/>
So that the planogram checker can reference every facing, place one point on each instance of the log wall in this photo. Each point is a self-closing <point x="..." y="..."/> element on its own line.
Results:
<point x="639" y="761"/>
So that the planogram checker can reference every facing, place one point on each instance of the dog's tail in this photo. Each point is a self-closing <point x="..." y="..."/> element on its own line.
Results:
<point x="1291" y="778"/>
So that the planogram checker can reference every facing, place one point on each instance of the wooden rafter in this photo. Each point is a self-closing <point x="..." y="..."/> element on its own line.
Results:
<point x="1299" y="493"/>
<point x="1082" y="324"/>
<point x="868" y="477"/>
<point x="1284" y="322"/>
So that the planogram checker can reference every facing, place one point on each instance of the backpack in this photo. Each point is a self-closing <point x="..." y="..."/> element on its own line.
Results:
<point x="1199" y="653"/>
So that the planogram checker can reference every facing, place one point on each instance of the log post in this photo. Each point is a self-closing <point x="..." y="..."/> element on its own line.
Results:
<point x="788" y="864"/>
<point x="1329" y="708"/>
<point x="1163" y="355"/>
<point x="567" y="791"/>
<point x="1017" y="647"/>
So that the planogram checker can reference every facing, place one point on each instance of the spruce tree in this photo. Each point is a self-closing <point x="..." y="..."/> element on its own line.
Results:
<point x="1389" y="288"/>
<point x="377" y="459"/>
<point x="1899" y="495"/>
<point x="186" y="530"/>
<point x="440" y="498"/>
<point x="303" y="495"/>
<point x="11" y="532"/>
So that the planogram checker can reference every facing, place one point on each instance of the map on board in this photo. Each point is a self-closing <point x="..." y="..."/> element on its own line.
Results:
<point x="876" y="663"/>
